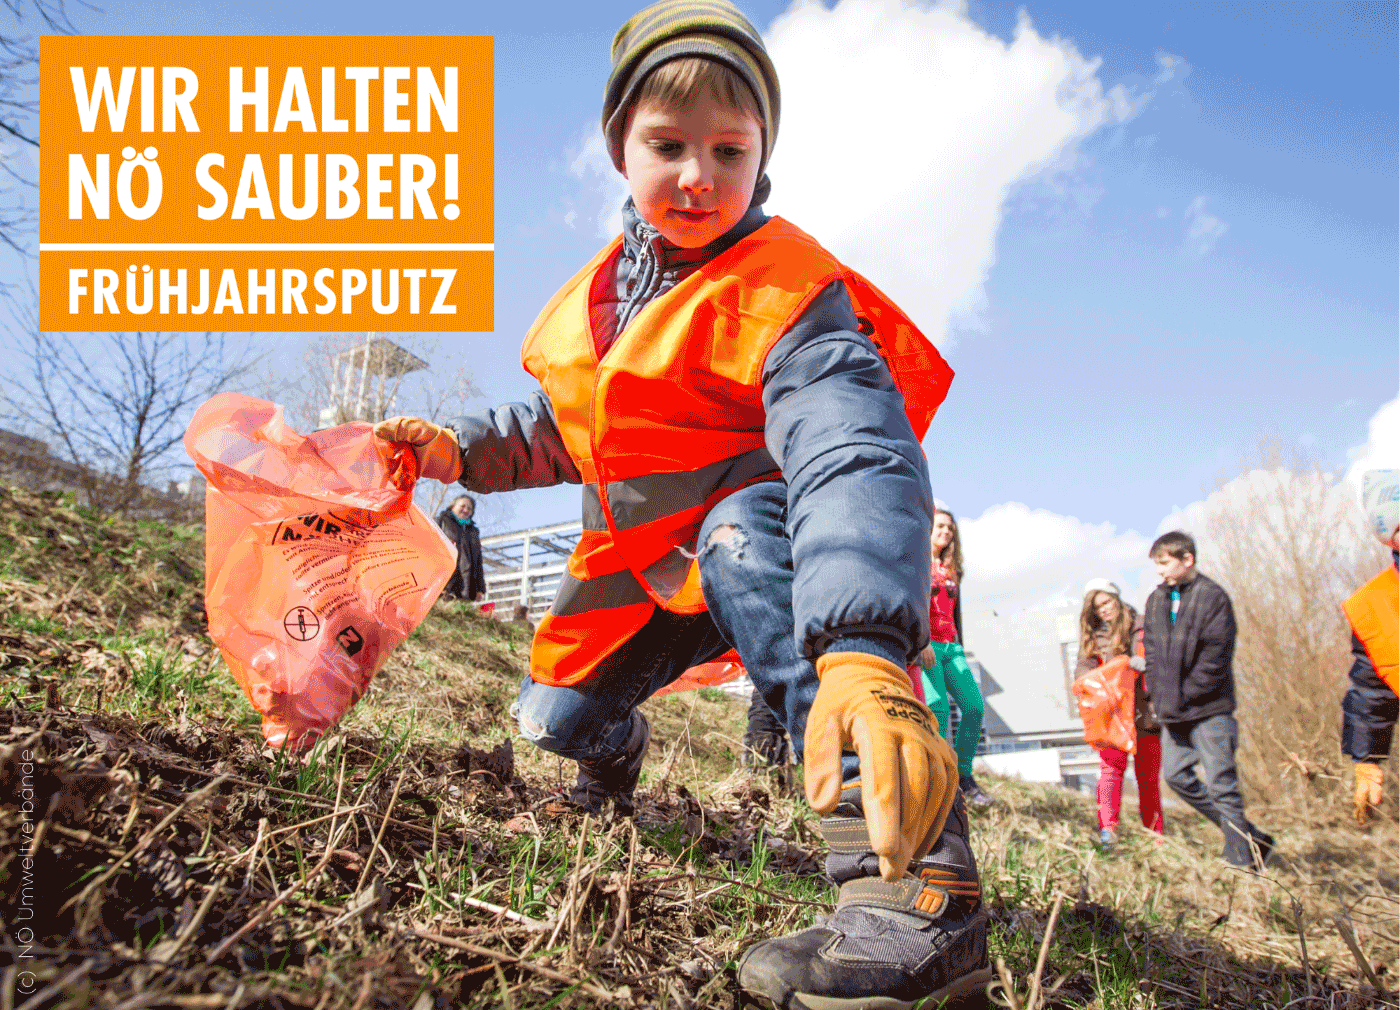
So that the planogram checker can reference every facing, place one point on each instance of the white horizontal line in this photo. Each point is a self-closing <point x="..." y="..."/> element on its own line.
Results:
<point x="267" y="247"/>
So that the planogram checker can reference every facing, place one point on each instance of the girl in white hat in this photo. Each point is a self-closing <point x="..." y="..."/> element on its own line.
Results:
<point x="1108" y="627"/>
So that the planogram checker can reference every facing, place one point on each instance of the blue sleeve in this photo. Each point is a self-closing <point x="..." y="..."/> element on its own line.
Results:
<point x="859" y="505"/>
<point x="514" y="446"/>
<point x="1369" y="710"/>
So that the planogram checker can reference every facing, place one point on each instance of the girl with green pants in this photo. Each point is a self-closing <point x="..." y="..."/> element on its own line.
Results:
<point x="945" y="668"/>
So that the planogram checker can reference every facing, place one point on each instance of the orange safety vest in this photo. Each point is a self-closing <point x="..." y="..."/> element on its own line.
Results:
<point x="1374" y="613"/>
<point x="670" y="422"/>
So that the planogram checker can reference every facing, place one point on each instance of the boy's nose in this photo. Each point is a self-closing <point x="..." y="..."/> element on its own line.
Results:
<point x="696" y="176"/>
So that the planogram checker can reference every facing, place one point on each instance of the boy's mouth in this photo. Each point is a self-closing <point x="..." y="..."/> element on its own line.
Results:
<point x="692" y="214"/>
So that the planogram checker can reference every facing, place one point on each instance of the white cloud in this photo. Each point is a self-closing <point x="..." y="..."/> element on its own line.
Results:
<point x="905" y="127"/>
<point x="604" y="188"/>
<point x="1203" y="229"/>
<point x="1170" y="67"/>
<point x="1018" y="558"/>
<point x="1382" y="447"/>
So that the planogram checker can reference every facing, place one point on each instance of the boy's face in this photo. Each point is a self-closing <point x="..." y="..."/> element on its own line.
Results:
<point x="1173" y="570"/>
<point x="692" y="170"/>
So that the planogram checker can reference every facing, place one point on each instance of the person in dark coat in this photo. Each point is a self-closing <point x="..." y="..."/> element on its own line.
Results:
<point x="468" y="582"/>
<point x="1371" y="707"/>
<point x="1190" y="642"/>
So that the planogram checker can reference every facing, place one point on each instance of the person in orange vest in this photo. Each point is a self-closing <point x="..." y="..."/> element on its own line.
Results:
<point x="1370" y="707"/>
<point x="744" y="413"/>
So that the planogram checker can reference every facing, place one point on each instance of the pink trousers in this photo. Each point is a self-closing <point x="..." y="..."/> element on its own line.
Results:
<point x="1147" y="767"/>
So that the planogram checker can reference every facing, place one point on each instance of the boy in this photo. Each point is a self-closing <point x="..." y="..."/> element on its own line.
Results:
<point x="750" y="478"/>
<point x="1190" y="639"/>
<point x="1370" y="707"/>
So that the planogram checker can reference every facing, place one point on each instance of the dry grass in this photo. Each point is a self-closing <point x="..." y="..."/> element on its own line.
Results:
<point x="1184" y="918"/>
<point x="416" y="860"/>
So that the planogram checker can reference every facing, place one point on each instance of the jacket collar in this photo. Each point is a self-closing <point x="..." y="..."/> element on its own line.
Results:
<point x="649" y="265"/>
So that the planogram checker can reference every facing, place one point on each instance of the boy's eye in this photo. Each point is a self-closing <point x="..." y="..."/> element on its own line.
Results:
<point x="665" y="146"/>
<point x="730" y="151"/>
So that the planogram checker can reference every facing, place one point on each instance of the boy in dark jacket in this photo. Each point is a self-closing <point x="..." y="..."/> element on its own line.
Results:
<point x="468" y="582"/>
<point x="752" y="477"/>
<point x="1190" y="641"/>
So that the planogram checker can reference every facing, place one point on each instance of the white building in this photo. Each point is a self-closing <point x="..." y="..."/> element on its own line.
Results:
<point x="1025" y="665"/>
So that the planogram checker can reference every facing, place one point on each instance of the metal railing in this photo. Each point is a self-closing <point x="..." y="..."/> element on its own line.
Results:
<point x="526" y="566"/>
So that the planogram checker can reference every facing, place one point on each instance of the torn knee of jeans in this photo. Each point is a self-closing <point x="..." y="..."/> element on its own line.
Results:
<point x="727" y="536"/>
<point x="530" y="729"/>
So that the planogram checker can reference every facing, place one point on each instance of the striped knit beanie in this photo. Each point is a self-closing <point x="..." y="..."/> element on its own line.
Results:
<point x="673" y="29"/>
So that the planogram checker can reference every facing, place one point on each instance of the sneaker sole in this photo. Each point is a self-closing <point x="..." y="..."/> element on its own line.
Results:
<point x="966" y="993"/>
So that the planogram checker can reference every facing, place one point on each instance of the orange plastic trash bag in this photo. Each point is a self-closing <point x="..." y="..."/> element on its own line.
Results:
<point x="719" y="671"/>
<point x="1106" y="705"/>
<point x="317" y="562"/>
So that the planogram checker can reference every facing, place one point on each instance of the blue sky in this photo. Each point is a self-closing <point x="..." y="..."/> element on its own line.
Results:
<point x="1205" y="252"/>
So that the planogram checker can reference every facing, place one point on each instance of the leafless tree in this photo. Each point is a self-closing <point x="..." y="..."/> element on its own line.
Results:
<point x="115" y="405"/>
<point x="19" y="110"/>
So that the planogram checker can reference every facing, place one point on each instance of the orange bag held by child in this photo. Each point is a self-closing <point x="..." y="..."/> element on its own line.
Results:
<point x="317" y="562"/>
<point x="1106" y="705"/>
<point x="718" y="671"/>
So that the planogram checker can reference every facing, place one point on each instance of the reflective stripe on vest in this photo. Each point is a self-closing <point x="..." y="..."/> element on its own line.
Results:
<point x="670" y="422"/>
<point x="1374" y="614"/>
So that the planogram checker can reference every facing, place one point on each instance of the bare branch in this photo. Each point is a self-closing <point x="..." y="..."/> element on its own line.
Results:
<point x="116" y="404"/>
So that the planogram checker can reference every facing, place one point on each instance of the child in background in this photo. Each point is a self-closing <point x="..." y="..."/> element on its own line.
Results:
<point x="1189" y="637"/>
<point x="751" y="477"/>
<point x="945" y="668"/>
<point x="1108" y="628"/>
<point x="1370" y="707"/>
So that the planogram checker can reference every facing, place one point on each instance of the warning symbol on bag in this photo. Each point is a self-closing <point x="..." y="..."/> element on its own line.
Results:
<point x="302" y="623"/>
<point x="350" y="640"/>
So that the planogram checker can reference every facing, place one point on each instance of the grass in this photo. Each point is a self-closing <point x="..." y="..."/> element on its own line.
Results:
<point x="381" y="867"/>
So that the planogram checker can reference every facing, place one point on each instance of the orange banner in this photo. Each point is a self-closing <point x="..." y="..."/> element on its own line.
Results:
<point x="256" y="183"/>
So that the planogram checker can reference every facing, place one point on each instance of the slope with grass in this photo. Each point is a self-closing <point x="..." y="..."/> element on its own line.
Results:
<point x="152" y="854"/>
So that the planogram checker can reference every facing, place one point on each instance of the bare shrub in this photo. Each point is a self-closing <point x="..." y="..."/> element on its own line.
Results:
<point x="1287" y="541"/>
<point x="113" y="405"/>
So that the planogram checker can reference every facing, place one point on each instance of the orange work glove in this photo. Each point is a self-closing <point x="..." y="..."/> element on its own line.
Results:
<point x="908" y="773"/>
<point x="435" y="448"/>
<point x="1369" y="778"/>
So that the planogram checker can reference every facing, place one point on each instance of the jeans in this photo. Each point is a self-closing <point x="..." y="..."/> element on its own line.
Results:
<point x="746" y="573"/>
<point x="1147" y="765"/>
<point x="1211" y="742"/>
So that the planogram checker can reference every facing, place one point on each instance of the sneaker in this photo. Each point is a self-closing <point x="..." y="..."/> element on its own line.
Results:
<point x="922" y="940"/>
<point x="1248" y="853"/>
<point x="765" y="740"/>
<point x="614" y="779"/>
<point x="974" y="793"/>
<point x="765" y="750"/>
<point x="1108" y="838"/>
